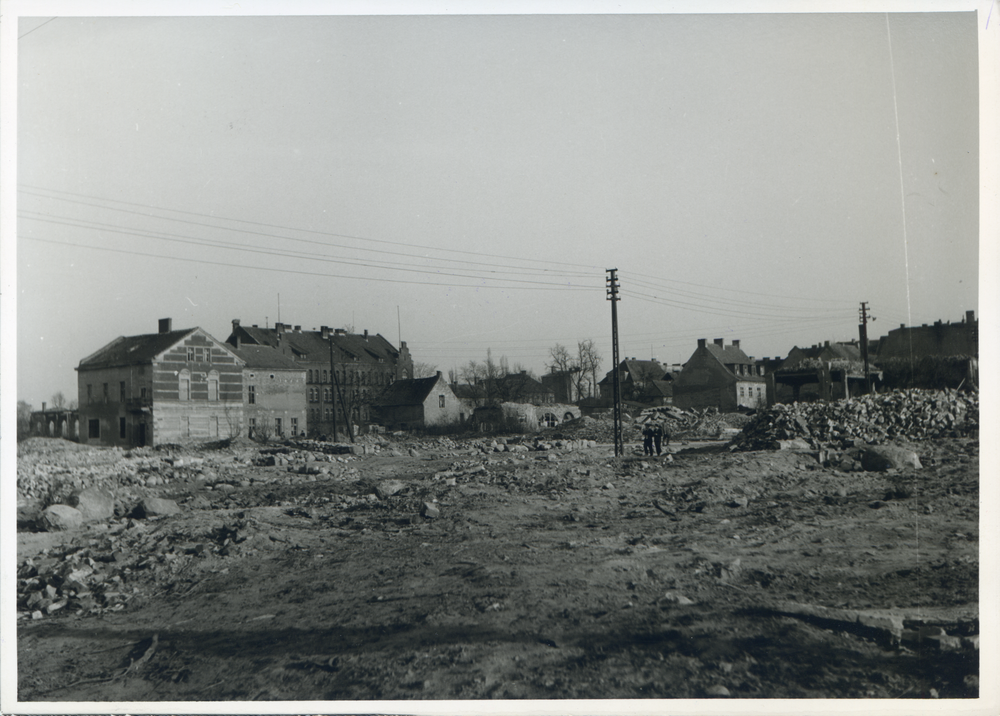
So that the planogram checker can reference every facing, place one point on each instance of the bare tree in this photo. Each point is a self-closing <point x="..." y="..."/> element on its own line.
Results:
<point x="589" y="360"/>
<point x="560" y="359"/>
<point x="424" y="370"/>
<point x="24" y="411"/>
<point x="59" y="401"/>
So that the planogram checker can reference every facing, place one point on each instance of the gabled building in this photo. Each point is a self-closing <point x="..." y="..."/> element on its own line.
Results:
<point x="640" y="381"/>
<point x="274" y="396"/>
<point x="720" y="376"/>
<point x="158" y="388"/>
<point x="344" y="371"/>
<point x="826" y="371"/>
<point x="418" y="403"/>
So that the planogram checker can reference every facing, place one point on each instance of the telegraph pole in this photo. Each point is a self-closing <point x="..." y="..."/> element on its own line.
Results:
<point x="863" y="333"/>
<point x="612" y="287"/>
<point x="333" y="397"/>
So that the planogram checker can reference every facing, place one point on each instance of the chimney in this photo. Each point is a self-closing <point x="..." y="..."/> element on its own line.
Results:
<point x="970" y="316"/>
<point x="339" y="332"/>
<point x="736" y="343"/>
<point x="324" y="331"/>
<point x="366" y="334"/>
<point x="298" y="329"/>
<point x="720" y="342"/>
<point x="902" y="325"/>
<point x="43" y="406"/>
<point x="701" y="342"/>
<point x="439" y="375"/>
<point x="166" y="325"/>
<point x="236" y="332"/>
<point x="826" y="344"/>
<point x="280" y="327"/>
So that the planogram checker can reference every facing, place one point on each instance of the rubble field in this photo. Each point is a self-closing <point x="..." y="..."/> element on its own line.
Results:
<point x="823" y="551"/>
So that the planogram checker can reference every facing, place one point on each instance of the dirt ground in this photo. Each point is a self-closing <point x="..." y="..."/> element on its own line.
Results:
<point x="550" y="574"/>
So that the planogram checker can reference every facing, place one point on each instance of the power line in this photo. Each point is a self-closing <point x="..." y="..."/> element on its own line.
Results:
<point x="231" y="246"/>
<point x="735" y="290"/>
<point x="266" y="225"/>
<point x="546" y="287"/>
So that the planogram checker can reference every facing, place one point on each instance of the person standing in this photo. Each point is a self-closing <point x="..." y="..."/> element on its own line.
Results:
<point x="657" y="437"/>
<point x="647" y="439"/>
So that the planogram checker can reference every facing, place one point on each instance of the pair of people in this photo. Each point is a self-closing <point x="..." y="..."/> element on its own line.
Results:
<point x="652" y="436"/>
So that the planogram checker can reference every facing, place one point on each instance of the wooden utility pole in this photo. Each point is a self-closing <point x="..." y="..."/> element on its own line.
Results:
<point x="612" y="286"/>
<point x="863" y="334"/>
<point x="333" y="380"/>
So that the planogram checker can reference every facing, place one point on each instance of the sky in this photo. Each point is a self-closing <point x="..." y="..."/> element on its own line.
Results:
<point x="462" y="183"/>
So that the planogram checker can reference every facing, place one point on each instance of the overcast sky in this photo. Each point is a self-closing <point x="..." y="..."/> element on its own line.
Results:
<point x="464" y="182"/>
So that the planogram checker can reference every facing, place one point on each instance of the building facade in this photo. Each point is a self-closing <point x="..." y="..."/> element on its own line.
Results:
<point x="274" y="394"/>
<point x="345" y="372"/>
<point x="165" y="387"/>
<point x="417" y="403"/>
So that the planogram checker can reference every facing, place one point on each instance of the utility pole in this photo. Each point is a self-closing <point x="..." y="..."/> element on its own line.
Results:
<point x="333" y="398"/>
<point x="863" y="333"/>
<point x="612" y="287"/>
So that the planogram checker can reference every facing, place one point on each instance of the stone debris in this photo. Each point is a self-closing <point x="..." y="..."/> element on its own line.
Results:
<point x="866" y="420"/>
<point x="94" y="503"/>
<point x="57" y="518"/>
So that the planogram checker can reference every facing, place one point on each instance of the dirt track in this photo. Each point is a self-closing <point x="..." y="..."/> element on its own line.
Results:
<point x="549" y="574"/>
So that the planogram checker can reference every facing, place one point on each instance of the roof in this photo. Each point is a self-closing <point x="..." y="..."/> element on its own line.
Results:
<point x="465" y="391"/>
<point x="265" y="357"/>
<point x="729" y="355"/>
<point x="311" y="346"/>
<point x="132" y="350"/>
<point x="525" y="383"/>
<point x="413" y="391"/>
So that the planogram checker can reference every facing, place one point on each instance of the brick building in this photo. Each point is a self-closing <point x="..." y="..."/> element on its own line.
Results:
<point x="164" y="387"/>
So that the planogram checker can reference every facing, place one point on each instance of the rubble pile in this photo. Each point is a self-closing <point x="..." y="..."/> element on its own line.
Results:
<point x="871" y="419"/>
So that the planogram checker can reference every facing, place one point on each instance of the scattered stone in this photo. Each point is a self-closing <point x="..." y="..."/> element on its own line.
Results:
<point x="58" y="518"/>
<point x="673" y="597"/>
<point x="154" y="506"/>
<point x="717" y="690"/>
<point x="388" y="488"/>
<point x="879" y="458"/>
<point x="429" y="510"/>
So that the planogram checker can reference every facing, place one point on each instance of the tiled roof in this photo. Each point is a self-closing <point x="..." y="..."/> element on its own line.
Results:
<point x="313" y="347"/>
<point x="413" y="391"/>
<point x="132" y="350"/>
<point x="265" y="357"/>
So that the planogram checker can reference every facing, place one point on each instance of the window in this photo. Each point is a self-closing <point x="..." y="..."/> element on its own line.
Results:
<point x="251" y="395"/>
<point x="190" y="352"/>
<point x="142" y="393"/>
<point x="208" y="355"/>
<point x="440" y="401"/>
<point x="295" y="427"/>
<point x="213" y="385"/>
<point x="184" y="385"/>
<point x="324" y="375"/>
<point x="90" y="393"/>
<point x="309" y="376"/>
<point x="277" y="427"/>
<point x="105" y="392"/>
<point x="121" y="428"/>
<point x="252" y="426"/>
<point x="121" y="390"/>
<point x="94" y="428"/>
<point x="326" y="395"/>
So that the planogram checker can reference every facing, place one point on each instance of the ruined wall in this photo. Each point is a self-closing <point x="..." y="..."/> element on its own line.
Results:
<point x="939" y="339"/>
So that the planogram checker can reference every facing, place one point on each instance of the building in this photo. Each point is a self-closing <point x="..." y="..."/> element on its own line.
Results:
<point x="274" y="395"/>
<point x="939" y="339"/>
<point x="344" y="371"/>
<point x="418" y="403"/>
<point x="640" y="381"/>
<point x="565" y="384"/>
<point x="824" y="371"/>
<point x="158" y="388"/>
<point x="511" y="388"/>
<point x="55" y="423"/>
<point x="719" y="376"/>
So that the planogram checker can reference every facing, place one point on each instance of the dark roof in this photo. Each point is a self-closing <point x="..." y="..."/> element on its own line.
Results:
<point x="265" y="357"/>
<point x="664" y="388"/>
<point x="465" y="391"/>
<point x="413" y="391"/>
<point x="525" y="383"/>
<point x="132" y="350"/>
<point x="311" y="346"/>
<point x="729" y="355"/>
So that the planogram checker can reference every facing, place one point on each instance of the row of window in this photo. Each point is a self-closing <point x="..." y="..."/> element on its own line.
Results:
<point x="354" y="377"/>
<point x="184" y="385"/>
<point x="199" y="355"/>
<point x="749" y="392"/>
<point x="106" y="395"/>
<point x="278" y="427"/>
